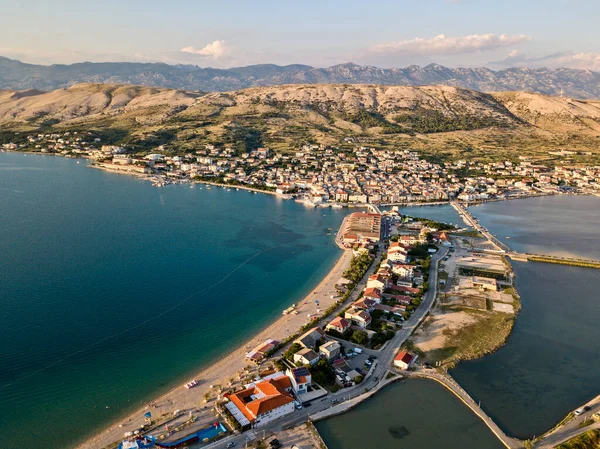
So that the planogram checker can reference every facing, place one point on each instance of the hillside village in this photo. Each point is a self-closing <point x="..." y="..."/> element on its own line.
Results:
<point x="322" y="175"/>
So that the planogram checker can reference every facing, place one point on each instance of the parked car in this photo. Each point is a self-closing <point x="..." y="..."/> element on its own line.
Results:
<point x="581" y="410"/>
<point x="230" y="444"/>
<point x="307" y="404"/>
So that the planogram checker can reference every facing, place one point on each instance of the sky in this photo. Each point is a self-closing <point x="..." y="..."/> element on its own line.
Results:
<point x="228" y="33"/>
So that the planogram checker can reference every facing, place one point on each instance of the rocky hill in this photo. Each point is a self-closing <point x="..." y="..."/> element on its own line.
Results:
<point x="575" y="83"/>
<point x="439" y="120"/>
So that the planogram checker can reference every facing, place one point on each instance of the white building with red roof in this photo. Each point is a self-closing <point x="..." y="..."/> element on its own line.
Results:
<point x="263" y="402"/>
<point x="404" y="360"/>
<point x="338" y="324"/>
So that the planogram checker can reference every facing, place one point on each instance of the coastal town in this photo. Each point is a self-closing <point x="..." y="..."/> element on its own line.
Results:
<point x="324" y="176"/>
<point x="364" y="330"/>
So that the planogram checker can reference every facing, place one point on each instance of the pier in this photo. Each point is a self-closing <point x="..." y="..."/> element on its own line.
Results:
<point x="514" y="255"/>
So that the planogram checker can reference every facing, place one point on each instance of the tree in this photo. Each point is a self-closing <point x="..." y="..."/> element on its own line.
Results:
<point x="359" y="337"/>
<point x="289" y="354"/>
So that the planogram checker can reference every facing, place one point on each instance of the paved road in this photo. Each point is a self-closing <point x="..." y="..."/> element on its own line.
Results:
<point x="571" y="429"/>
<point x="375" y="376"/>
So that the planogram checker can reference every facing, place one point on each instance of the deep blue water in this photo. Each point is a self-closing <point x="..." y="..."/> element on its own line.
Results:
<point x="551" y="362"/>
<point x="112" y="290"/>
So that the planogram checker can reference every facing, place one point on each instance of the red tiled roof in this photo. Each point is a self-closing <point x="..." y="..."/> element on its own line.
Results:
<point x="404" y="357"/>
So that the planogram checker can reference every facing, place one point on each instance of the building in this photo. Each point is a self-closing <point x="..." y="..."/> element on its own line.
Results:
<point x="483" y="283"/>
<point x="309" y="339"/>
<point x="398" y="253"/>
<point x="306" y="356"/>
<point x="300" y="379"/>
<point x="330" y="350"/>
<point x="359" y="317"/>
<point x="362" y="226"/>
<point x="377" y="281"/>
<point x="364" y="304"/>
<point x="338" y="324"/>
<point x="404" y="360"/>
<point x="262" y="350"/>
<point x="263" y="402"/>
<point x="374" y="294"/>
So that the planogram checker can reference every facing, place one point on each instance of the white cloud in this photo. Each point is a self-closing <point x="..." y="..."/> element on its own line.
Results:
<point x="586" y="61"/>
<point x="444" y="45"/>
<point x="215" y="50"/>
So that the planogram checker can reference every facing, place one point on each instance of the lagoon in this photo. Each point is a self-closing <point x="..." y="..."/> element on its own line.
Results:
<point x="411" y="414"/>
<point x="550" y="364"/>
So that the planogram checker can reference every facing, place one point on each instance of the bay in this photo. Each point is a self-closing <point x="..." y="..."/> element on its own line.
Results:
<point x="112" y="291"/>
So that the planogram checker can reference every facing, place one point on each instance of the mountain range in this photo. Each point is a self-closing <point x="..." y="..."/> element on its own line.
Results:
<point x="439" y="121"/>
<point x="575" y="83"/>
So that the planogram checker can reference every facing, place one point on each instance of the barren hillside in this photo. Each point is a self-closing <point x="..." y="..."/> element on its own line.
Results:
<point x="439" y="120"/>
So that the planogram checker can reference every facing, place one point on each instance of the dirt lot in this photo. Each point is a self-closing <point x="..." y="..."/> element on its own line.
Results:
<point x="430" y="335"/>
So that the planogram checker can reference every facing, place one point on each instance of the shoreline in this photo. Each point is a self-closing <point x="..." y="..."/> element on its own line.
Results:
<point x="227" y="366"/>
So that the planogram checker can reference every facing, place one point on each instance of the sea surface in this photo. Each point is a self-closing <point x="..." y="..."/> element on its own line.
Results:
<point x="413" y="414"/>
<point x="551" y="362"/>
<point x="112" y="291"/>
<point x="557" y="225"/>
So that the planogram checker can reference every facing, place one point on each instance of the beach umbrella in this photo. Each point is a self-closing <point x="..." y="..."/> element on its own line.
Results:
<point x="147" y="415"/>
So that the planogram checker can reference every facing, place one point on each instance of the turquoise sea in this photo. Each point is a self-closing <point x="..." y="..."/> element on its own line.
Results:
<point x="112" y="291"/>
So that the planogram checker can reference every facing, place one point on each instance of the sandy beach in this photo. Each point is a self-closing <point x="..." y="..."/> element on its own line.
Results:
<point x="229" y="366"/>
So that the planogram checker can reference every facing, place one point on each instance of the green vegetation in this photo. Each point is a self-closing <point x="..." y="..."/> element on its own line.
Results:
<point x="587" y="440"/>
<point x="358" y="267"/>
<point x="289" y="354"/>
<point x="469" y="233"/>
<point x="425" y="121"/>
<point x="439" y="225"/>
<point x="359" y="337"/>
<point x="586" y="422"/>
<point x="486" y="334"/>
<point x="323" y="374"/>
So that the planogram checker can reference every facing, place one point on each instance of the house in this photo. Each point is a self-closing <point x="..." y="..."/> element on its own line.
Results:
<point x="331" y="350"/>
<point x="263" y="402"/>
<point x="310" y="338"/>
<point x="409" y="239"/>
<point x="262" y="350"/>
<point x="404" y="271"/>
<point x="300" y="379"/>
<point x="338" y="324"/>
<point x="404" y="360"/>
<point x="364" y="304"/>
<point x="377" y="281"/>
<point x="374" y="294"/>
<point x="359" y="317"/>
<point x="306" y="356"/>
<point x="398" y="253"/>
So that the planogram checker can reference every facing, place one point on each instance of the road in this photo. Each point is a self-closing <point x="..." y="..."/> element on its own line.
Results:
<point x="375" y="376"/>
<point x="571" y="429"/>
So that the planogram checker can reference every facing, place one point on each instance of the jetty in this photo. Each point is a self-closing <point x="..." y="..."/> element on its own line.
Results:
<point x="504" y="249"/>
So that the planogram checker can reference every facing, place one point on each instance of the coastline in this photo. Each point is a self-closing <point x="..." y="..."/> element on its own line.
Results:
<point x="219" y="371"/>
